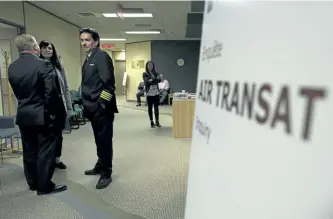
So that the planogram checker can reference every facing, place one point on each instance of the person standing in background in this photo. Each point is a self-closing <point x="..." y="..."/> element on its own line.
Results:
<point x="33" y="81"/>
<point x="48" y="52"/>
<point x="99" y="102"/>
<point x="151" y="79"/>
<point x="140" y="93"/>
<point x="164" y="89"/>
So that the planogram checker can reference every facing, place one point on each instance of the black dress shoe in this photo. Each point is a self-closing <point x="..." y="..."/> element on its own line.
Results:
<point x="61" y="165"/>
<point x="103" y="182"/>
<point x="32" y="188"/>
<point x="152" y="124"/>
<point x="158" y="125"/>
<point x="56" y="189"/>
<point x="92" y="172"/>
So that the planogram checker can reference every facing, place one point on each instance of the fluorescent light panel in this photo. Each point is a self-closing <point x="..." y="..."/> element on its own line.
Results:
<point x="142" y="32"/>
<point x="112" y="39"/>
<point x="130" y="15"/>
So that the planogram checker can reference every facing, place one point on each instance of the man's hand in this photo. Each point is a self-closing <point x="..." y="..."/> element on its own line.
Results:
<point x="150" y="80"/>
<point x="52" y="117"/>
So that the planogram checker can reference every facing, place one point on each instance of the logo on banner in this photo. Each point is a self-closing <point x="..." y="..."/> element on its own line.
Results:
<point x="256" y="102"/>
<point x="212" y="52"/>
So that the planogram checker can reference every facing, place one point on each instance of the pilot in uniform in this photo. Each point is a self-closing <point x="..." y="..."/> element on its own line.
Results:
<point x="99" y="102"/>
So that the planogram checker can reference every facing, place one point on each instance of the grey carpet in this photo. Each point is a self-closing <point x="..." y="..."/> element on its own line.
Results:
<point x="149" y="180"/>
<point x="18" y="202"/>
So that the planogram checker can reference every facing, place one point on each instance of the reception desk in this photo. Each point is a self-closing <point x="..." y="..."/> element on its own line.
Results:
<point x="183" y="116"/>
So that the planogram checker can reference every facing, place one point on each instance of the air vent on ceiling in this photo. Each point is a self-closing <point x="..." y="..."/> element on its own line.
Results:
<point x="142" y="25"/>
<point x="86" y="14"/>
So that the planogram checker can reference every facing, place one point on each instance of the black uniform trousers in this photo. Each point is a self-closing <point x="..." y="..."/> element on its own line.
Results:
<point x="102" y="125"/>
<point x="59" y="143"/>
<point x="59" y="126"/>
<point x="39" y="145"/>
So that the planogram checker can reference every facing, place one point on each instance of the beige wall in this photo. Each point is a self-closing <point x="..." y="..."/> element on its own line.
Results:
<point x="43" y="25"/>
<point x="63" y="35"/>
<point x="118" y="56"/>
<point x="134" y="52"/>
<point x="7" y="33"/>
<point x="12" y="11"/>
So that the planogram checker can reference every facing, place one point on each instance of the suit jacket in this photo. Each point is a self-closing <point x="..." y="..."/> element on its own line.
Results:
<point x="98" y="82"/>
<point x="33" y="81"/>
<point x="150" y="79"/>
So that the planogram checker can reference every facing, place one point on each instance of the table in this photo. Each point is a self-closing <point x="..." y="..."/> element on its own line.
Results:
<point x="170" y="97"/>
<point x="183" y="117"/>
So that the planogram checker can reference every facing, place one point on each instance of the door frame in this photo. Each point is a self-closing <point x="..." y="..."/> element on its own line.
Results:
<point x="122" y="88"/>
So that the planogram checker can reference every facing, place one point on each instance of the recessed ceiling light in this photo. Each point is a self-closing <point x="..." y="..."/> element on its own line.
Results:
<point x="131" y="15"/>
<point x="112" y="39"/>
<point x="142" y="32"/>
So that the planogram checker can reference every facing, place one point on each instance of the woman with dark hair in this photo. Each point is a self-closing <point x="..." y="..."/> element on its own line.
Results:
<point x="151" y="79"/>
<point x="48" y="51"/>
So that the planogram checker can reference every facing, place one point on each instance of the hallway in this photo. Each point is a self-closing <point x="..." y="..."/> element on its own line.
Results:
<point x="149" y="180"/>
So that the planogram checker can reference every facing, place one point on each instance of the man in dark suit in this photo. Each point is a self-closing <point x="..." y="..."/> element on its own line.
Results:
<point x="99" y="102"/>
<point x="34" y="84"/>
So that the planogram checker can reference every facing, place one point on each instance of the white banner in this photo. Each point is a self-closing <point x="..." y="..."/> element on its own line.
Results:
<point x="262" y="143"/>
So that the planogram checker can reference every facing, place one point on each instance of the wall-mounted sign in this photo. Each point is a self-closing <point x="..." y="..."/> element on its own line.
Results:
<point x="138" y="64"/>
<point x="107" y="46"/>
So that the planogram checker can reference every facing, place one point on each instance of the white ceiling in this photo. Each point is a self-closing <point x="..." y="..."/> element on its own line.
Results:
<point x="169" y="16"/>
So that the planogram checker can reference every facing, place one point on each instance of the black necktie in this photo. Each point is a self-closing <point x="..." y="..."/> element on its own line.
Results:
<point x="85" y="63"/>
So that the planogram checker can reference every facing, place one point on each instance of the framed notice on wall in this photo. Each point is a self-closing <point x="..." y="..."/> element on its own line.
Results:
<point x="137" y="64"/>
<point x="262" y="144"/>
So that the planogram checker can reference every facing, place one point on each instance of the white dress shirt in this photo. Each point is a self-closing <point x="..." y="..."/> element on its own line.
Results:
<point x="163" y="85"/>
